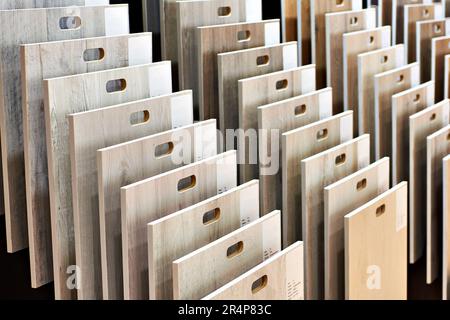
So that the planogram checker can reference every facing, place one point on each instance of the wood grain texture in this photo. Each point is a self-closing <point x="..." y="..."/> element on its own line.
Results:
<point x="305" y="32"/>
<point x="385" y="12"/>
<point x="156" y="197"/>
<point x="290" y="20"/>
<point x="88" y="92"/>
<point x="318" y="172"/>
<point x="376" y="248"/>
<point x="276" y="119"/>
<point x="440" y="47"/>
<point x="93" y="130"/>
<point x="336" y="25"/>
<point x="208" y="48"/>
<point x="48" y="60"/>
<point x="421" y="125"/>
<point x="398" y="18"/>
<point x="255" y="243"/>
<point x="298" y="145"/>
<point x="131" y="162"/>
<point x="446" y="230"/>
<point x="181" y="233"/>
<point x="404" y="105"/>
<point x="340" y="199"/>
<point x="281" y="277"/>
<point x="447" y="77"/>
<point x="258" y="91"/>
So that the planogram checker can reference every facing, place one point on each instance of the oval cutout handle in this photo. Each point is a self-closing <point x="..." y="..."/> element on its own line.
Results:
<point x="381" y="210"/>
<point x="354" y="21"/>
<point x="93" y="55"/>
<point x="140" y="118"/>
<point x="300" y="110"/>
<point x="400" y="79"/>
<point x="282" y="85"/>
<point x="211" y="216"/>
<point x="260" y="284"/>
<point x="433" y="117"/>
<point x="416" y="98"/>
<point x="244" y="36"/>
<point x="187" y="184"/>
<point x="384" y="59"/>
<point x="114" y="86"/>
<point x="361" y="185"/>
<point x="437" y="28"/>
<point x="340" y="160"/>
<point x="164" y="150"/>
<point x="235" y="250"/>
<point x="70" y="23"/>
<point x="223" y="12"/>
<point x="322" y="135"/>
<point x="339" y="3"/>
<point x="263" y="61"/>
<point x="371" y="40"/>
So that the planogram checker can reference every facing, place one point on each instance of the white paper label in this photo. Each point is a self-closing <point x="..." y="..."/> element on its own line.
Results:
<point x="160" y="79"/>
<point x="363" y="152"/>
<point x="357" y="4"/>
<point x="445" y="114"/>
<point x="294" y="274"/>
<point x="308" y="79"/>
<point x="205" y="144"/>
<point x="402" y="214"/>
<point x="386" y="37"/>
<point x="326" y="104"/>
<point x="272" y="33"/>
<point x="271" y="238"/>
<point x="447" y="27"/>
<point x="88" y="3"/>
<point x="371" y="19"/>
<point x="253" y="10"/>
<point x="400" y="56"/>
<point x="117" y="21"/>
<point x="181" y="110"/>
<point x="415" y="75"/>
<point x="249" y="205"/>
<point x="290" y="60"/>
<point x="346" y="128"/>
<point x="140" y="50"/>
<point x="226" y="173"/>
<point x="430" y="95"/>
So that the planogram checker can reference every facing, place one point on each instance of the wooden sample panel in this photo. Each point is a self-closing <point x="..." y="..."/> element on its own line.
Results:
<point x="404" y="105"/>
<point x="43" y="61"/>
<point x="384" y="12"/>
<point x="93" y="130"/>
<point x="298" y="145"/>
<point x="378" y="261"/>
<point x="226" y="258"/>
<point x="89" y="92"/>
<point x="304" y="30"/>
<point x="30" y="4"/>
<point x="237" y="65"/>
<point x="354" y="44"/>
<point x="262" y="33"/>
<point x="446" y="230"/>
<point x="340" y="199"/>
<point x="279" y="278"/>
<point x="336" y="25"/>
<point x="447" y="77"/>
<point x="398" y="18"/>
<point x="181" y="233"/>
<point x="261" y="90"/>
<point x="440" y="47"/>
<point x="421" y="125"/>
<point x="156" y="197"/>
<point x="318" y="172"/>
<point x="438" y="147"/>
<point x="290" y="10"/>
<point x="386" y="85"/>
<point x="134" y="161"/>
<point x="276" y="119"/>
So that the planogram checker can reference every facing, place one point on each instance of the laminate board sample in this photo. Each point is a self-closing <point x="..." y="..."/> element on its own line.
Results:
<point x="264" y="33"/>
<point x="132" y="162"/>
<point x="304" y="31"/>
<point x="151" y="21"/>
<point x="181" y="233"/>
<point x="31" y="26"/>
<point x="421" y="125"/>
<point x="404" y="105"/>
<point x="300" y="144"/>
<point x="156" y="197"/>
<point x="398" y="18"/>
<point x="278" y="278"/>
<point x="31" y="4"/>
<point x="440" y="47"/>
<point x="340" y="199"/>
<point x="237" y="65"/>
<point x="276" y="119"/>
<point x="438" y="147"/>
<point x="318" y="43"/>
<point x="386" y="85"/>
<point x="318" y="172"/>
<point x="89" y="91"/>
<point x="258" y="91"/>
<point x="290" y="10"/>
<point x="354" y="44"/>
<point x="336" y="25"/>
<point x="376" y="266"/>
<point x="93" y="130"/>
<point x="447" y="77"/>
<point x="48" y="60"/>
<point x="226" y="258"/>
<point x="446" y="230"/>
<point x="384" y="12"/>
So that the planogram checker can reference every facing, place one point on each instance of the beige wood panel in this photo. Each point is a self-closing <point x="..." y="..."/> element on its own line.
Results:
<point x="89" y="91"/>
<point x="275" y="119"/>
<point x="289" y="21"/>
<point x="336" y="25"/>
<point x="31" y="26"/>
<point x="446" y="229"/>
<point x="305" y="32"/>
<point x="438" y="147"/>
<point x="421" y="125"/>
<point x="447" y="77"/>
<point x="156" y="197"/>
<point x="404" y="105"/>
<point x="376" y="248"/>
<point x="387" y="84"/>
<point x="181" y="233"/>
<point x="93" y="130"/>
<point x="354" y="44"/>
<point x="278" y="278"/>
<point x="258" y="91"/>
<point x="398" y="18"/>
<point x="298" y="145"/>
<point x="226" y="258"/>
<point x="47" y="60"/>
<point x="440" y="47"/>
<point x="318" y="10"/>
<point x="340" y="199"/>
<point x="261" y="34"/>
<point x="237" y="65"/>
<point x="318" y="172"/>
<point x="131" y="162"/>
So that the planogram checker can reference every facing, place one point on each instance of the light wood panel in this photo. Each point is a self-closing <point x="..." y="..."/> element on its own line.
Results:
<point x="88" y="91"/>
<point x="398" y="18"/>
<point x="181" y="233"/>
<point x="340" y="199"/>
<point x="298" y="145"/>
<point x="291" y="14"/>
<point x="226" y="258"/>
<point x="156" y="197"/>
<point x="376" y="248"/>
<point x="446" y="230"/>
<point x="262" y="33"/>
<point x="447" y="77"/>
<point x="261" y="90"/>
<point x="440" y="47"/>
<point x="421" y="125"/>
<point x="276" y="119"/>
<point x="278" y="278"/>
